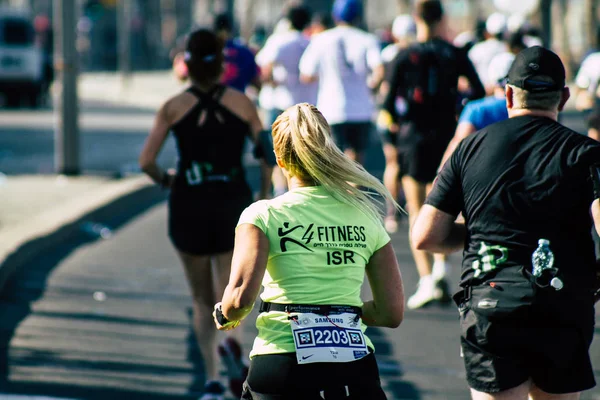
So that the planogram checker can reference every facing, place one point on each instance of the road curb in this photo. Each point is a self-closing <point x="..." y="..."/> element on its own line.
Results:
<point x="22" y="242"/>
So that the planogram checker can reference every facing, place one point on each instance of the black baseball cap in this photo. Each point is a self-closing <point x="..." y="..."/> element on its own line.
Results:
<point x="537" y="69"/>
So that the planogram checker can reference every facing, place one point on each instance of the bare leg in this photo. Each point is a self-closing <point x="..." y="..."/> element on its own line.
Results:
<point x="279" y="181"/>
<point x="221" y="272"/>
<point x="230" y="350"/>
<point x="351" y="153"/>
<point x="537" y="394"/>
<point x="415" y="197"/>
<point x="440" y="261"/>
<point x="390" y="177"/>
<point x="266" y="185"/>
<point x="199" y="276"/>
<point x="517" y="393"/>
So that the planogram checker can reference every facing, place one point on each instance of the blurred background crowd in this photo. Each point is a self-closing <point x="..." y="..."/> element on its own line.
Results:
<point x="568" y="26"/>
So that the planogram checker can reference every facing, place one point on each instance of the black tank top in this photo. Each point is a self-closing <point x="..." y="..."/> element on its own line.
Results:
<point x="210" y="141"/>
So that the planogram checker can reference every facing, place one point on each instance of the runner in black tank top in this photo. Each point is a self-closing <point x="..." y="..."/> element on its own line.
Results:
<point x="210" y="190"/>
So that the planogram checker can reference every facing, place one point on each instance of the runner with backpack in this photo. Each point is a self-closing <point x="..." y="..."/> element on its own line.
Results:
<point x="426" y="76"/>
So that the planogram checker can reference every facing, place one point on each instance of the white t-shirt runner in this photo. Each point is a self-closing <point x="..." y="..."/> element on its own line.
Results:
<point x="342" y="58"/>
<point x="284" y="51"/>
<point x="481" y="56"/>
<point x="588" y="76"/>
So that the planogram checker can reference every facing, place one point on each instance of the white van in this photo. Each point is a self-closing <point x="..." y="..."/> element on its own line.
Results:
<point x="21" y="60"/>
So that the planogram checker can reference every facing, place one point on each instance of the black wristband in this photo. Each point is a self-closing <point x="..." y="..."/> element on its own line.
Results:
<point x="221" y="319"/>
<point x="595" y="174"/>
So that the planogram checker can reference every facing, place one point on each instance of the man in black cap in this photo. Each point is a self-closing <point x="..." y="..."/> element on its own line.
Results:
<point x="528" y="275"/>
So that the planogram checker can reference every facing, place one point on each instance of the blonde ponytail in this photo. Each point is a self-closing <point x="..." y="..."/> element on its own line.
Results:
<point x="302" y="140"/>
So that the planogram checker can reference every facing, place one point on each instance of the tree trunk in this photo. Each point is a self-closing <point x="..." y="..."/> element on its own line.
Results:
<point x="404" y="6"/>
<point x="474" y="10"/>
<point x="247" y="17"/>
<point x="201" y="15"/>
<point x="562" y="34"/>
<point x="591" y="21"/>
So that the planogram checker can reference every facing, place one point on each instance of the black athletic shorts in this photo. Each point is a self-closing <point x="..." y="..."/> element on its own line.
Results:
<point x="593" y="119"/>
<point x="279" y="377"/>
<point x="420" y="150"/>
<point x="352" y="135"/>
<point x="387" y="136"/>
<point x="502" y="353"/>
<point x="202" y="219"/>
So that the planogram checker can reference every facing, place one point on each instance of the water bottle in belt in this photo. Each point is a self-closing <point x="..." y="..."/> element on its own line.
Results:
<point x="543" y="259"/>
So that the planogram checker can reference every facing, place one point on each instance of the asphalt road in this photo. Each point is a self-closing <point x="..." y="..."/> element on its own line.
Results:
<point x="110" y="318"/>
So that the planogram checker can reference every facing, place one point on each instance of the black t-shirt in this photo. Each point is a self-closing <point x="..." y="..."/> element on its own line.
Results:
<point x="518" y="181"/>
<point x="426" y="76"/>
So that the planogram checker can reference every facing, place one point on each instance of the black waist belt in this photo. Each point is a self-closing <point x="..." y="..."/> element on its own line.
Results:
<point x="323" y="309"/>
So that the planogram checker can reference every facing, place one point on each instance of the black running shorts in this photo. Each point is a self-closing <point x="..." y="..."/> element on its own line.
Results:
<point x="502" y="354"/>
<point x="279" y="377"/>
<point x="420" y="150"/>
<point x="352" y="135"/>
<point x="387" y="136"/>
<point x="202" y="220"/>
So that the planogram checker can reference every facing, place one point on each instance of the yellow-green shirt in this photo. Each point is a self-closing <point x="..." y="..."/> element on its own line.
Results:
<point x="318" y="250"/>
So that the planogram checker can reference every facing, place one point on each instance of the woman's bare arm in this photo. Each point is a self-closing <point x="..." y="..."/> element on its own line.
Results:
<point x="248" y="267"/>
<point x="153" y="145"/>
<point x="387" y="307"/>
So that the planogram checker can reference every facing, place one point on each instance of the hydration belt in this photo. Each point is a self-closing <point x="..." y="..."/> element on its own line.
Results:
<point x="323" y="309"/>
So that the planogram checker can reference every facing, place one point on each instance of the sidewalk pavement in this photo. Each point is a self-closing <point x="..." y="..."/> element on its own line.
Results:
<point x="33" y="207"/>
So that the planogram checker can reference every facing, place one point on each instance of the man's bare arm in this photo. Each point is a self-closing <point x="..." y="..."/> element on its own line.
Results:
<point x="596" y="214"/>
<point x="437" y="231"/>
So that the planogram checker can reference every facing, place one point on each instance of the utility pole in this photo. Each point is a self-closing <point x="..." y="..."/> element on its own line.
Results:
<point x="546" y="22"/>
<point x="124" y="37"/>
<point x="66" y="135"/>
<point x="591" y="17"/>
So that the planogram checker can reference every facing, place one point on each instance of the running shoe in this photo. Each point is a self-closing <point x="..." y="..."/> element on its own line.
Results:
<point x="439" y="272"/>
<point x="391" y="224"/>
<point x="213" y="390"/>
<point x="231" y="354"/>
<point x="442" y="291"/>
<point x="425" y="294"/>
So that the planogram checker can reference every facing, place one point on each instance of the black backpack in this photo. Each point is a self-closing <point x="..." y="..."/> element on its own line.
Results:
<point x="430" y="80"/>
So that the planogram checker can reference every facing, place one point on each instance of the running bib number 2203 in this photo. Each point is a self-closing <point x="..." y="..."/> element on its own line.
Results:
<point x="335" y="338"/>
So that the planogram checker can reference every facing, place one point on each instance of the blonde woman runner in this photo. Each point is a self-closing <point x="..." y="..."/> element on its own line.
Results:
<point x="310" y="249"/>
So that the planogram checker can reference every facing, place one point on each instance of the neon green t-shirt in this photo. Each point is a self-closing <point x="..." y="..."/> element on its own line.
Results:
<point x="319" y="248"/>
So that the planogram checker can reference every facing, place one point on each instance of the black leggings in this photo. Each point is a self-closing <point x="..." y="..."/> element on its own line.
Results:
<point x="279" y="377"/>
